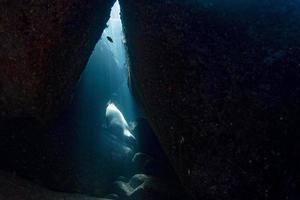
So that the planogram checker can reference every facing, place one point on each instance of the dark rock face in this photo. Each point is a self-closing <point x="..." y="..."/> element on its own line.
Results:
<point x="45" y="45"/>
<point x="220" y="83"/>
<point x="13" y="187"/>
<point x="44" y="48"/>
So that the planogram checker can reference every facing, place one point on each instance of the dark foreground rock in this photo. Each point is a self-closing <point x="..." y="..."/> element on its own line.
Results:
<point x="13" y="187"/>
<point x="45" y="46"/>
<point x="220" y="82"/>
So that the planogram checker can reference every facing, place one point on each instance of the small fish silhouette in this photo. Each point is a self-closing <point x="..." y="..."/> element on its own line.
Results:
<point x="109" y="39"/>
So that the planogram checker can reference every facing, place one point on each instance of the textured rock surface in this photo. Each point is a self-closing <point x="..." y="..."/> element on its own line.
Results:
<point x="220" y="82"/>
<point x="13" y="187"/>
<point x="141" y="186"/>
<point x="45" y="44"/>
<point x="44" y="48"/>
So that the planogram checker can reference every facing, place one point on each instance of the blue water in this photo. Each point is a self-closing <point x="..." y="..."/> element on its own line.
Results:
<point x="95" y="157"/>
<point x="106" y="74"/>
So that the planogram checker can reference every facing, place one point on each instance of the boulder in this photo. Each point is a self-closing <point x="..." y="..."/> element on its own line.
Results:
<point x="141" y="186"/>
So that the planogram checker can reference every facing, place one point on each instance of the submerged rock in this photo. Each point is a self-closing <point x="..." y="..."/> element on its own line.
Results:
<point x="122" y="178"/>
<point x="13" y="187"/>
<point x="141" y="186"/>
<point x="45" y="47"/>
<point x="112" y="196"/>
<point x="220" y="84"/>
<point x="141" y="159"/>
<point x="143" y="163"/>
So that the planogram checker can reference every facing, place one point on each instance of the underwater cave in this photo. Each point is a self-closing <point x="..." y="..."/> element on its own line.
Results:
<point x="149" y="99"/>
<point x="101" y="144"/>
<point x="115" y="144"/>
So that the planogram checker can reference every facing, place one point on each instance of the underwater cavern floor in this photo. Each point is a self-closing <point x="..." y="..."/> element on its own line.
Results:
<point x="13" y="187"/>
<point x="53" y="162"/>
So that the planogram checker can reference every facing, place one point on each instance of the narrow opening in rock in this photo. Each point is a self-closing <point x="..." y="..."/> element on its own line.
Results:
<point x="116" y="150"/>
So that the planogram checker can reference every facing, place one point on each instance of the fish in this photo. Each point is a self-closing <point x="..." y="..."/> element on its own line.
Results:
<point x="109" y="39"/>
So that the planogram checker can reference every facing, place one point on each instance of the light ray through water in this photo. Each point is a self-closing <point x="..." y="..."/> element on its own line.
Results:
<point x="120" y="93"/>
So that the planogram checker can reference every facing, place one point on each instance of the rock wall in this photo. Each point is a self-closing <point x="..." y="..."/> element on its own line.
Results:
<point x="45" y="45"/>
<point x="14" y="187"/>
<point x="220" y="83"/>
